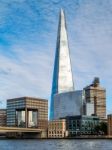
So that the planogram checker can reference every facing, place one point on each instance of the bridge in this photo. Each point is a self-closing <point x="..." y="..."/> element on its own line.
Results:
<point x="17" y="129"/>
<point x="17" y="132"/>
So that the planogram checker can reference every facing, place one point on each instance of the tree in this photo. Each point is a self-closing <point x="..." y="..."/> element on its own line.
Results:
<point x="101" y="128"/>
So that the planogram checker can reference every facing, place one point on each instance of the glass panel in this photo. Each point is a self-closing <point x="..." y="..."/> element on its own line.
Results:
<point x="32" y="118"/>
<point x="20" y="115"/>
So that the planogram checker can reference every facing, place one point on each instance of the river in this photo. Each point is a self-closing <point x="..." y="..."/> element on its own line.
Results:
<point x="56" y="144"/>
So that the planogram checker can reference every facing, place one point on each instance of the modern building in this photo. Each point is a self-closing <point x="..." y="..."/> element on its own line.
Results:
<point x="88" y="109"/>
<point x="68" y="104"/>
<point x="62" y="76"/>
<point x="3" y="117"/>
<point x="109" y="118"/>
<point x="81" y="125"/>
<point x="57" y="128"/>
<point x="96" y="95"/>
<point x="27" y="112"/>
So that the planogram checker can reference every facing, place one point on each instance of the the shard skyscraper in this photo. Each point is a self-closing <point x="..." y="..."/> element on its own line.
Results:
<point x="62" y="76"/>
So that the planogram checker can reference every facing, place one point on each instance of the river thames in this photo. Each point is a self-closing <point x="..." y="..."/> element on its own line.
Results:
<point x="56" y="144"/>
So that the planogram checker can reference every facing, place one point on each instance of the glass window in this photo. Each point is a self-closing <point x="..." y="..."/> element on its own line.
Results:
<point x="32" y="118"/>
<point x="20" y="117"/>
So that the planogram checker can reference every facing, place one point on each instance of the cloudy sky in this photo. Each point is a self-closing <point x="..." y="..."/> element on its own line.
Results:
<point x="28" y="32"/>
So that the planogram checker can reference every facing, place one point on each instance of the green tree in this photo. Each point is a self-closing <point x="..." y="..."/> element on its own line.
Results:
<point x="101" y="128"/>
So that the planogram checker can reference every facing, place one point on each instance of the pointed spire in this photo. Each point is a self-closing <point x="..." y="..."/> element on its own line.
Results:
<point x="65" y="78"/>
<point x="62" y="13"/>
<point x="62" y="76"/>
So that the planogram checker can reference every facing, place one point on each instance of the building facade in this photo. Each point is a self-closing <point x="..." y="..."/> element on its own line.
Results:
<point x="3" y="113"/>
<point x="27" y="112"/>
<point x="96" y="95"/>
<point x="81" y="125"/>
<point x="68" y="104"/>
<point x="109" y="118"/>
<point x="57" y="128"/>
<point x="88" y="109"/>
<point x="62" y="75"/>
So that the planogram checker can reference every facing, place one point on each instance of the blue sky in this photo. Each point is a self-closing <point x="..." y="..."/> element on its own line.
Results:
<point x="28" y="32"/>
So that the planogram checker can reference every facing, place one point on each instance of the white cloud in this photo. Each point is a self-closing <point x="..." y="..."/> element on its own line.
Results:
<point x="29" y="75"/>
<point x="31" y="34"/>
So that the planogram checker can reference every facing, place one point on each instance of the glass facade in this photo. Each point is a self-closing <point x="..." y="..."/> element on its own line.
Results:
<point x="68" y="104"/>
<point x="32" y="118"/>
<point x="20" y="118"/>
<point x="27" y="112"/>
<point x="62" y="75"/>
<point x="82" y="125"/>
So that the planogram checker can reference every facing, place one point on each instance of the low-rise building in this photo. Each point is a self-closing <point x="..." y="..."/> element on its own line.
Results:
<point x="57" y="128"/>
<point x="81" y="125"/>
<point x="110" y="125"/>
<point x="3" y="117"/>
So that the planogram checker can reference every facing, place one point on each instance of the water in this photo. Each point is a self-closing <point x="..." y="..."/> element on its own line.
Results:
<point x="56" y="144"/>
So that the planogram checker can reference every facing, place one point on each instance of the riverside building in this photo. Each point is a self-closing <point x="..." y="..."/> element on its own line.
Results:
<point x="109" y="118"/>
<point x="95" y="98"/>
<point x="57" y="128"/>
<point x="68" y="104"/>
<point x="64" y="100"/>
<point x="3" y="113"/>
<point x="27" y="112"/>
<point x="81" y="125"/>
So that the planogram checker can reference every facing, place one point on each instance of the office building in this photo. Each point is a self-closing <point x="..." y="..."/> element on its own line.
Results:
<point x="57" y="128"/>
<point x="109" y="118"/>
<point x="88" y="109"/>
<point x="27" y="112"/>
<point x="62" y="76"/>
<point x="68" y="104"/>
<point x="81" y="125"/>
<point x="96" y="95"/>
<point x="3" y="117"/>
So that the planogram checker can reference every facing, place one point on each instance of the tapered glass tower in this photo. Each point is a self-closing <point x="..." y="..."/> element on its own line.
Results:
<point x="62" y="75"/>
